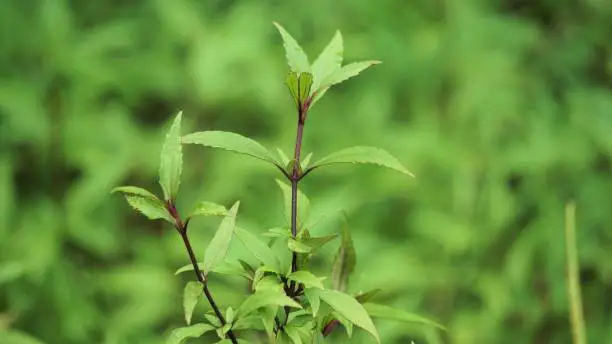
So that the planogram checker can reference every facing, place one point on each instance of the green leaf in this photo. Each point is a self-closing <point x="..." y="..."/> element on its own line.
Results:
<point x="230" y="315"/>
<point x="212" y="319"/>
<point x="220" y="243"/>
<point x="305" y="85"/>
<point x="258" y="248"/>
<point x="299" y="85"/>
<point x="152" y="209"/>
<point x="226" y="268"/>
<point x="192" y="292"/>
<point x="390" y="313"/>
<point x="329" y="60"/>
<point x="363" y="155"/>
<point x="303" y="204"/>
<point x="264" y="298"/>
<point x="349" y="308"/>
<point x="136" y="191"/>
<point x="296" y="57"/>
<point x="293" y="334"/>
<point x="298" y="246"/>
<point x="231" y="142"/>
<point x="270" y="282"/>
<point x="283" y="157"/>
<point x="339" y="75"/>
<point x="317" y="337"/>
<point x="10" y="336"/>
<point x="314" y="300"/>
<point x="171" y="160"/>
<point x="248" y="323"/>
<point x="314" y="243"/>
<point x="365" y="297"/>
<point x="344" y="262"/>
<point x="306" y="278"/>
<point x="208" y="209"/>
<point x="306" y="161"/>
<point x="181" y="334"/>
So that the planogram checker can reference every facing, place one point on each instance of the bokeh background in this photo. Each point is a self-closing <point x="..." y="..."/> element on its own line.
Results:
<point x="503" y="110"/>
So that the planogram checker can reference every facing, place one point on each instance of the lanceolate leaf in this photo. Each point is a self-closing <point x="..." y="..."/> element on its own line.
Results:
<point x="171" y="160"/>
<point x="219" y="245"/>
<point x="296" y="57"/>
<point x="208" y="209"/>
<point x="283" y="157"/>
<point x="344" y="262"/>
<point x="340" y="75"/>
<point x="314" y="300"/>
<point x="135" y="191"/>
<point x="329" y="60"/>
<point x="179" y="335"/>
<point x="193" y="290"/>
<point x="303" y="204"/>
<point x="390" y="313"/>
<point x="152" y="208"/>
<point x="363" y="155"/>
<point x="264" y="298"/>
<point x="306" y="278"/>
<point x="349" y="308"/>
<point x="232" y="142"/>
<point x="258" y="248"/>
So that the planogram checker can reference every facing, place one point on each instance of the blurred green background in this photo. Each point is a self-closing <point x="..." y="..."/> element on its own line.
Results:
<point x="503" y="110"/>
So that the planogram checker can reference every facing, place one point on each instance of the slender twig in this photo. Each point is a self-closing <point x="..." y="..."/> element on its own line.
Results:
<point x="182" y="229"/>
<point x="573" y="279"/>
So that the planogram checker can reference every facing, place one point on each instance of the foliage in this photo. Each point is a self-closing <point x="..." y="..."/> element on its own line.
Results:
<point x="501" y="108"/>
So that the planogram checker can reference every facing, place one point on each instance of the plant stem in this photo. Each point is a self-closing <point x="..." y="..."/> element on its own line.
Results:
<point x="573" y="279"/>
<point x="295" y="179"/>
<point x="202" y="278"/>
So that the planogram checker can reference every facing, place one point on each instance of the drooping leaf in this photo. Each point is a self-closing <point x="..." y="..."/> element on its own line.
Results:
<point x="349" y="308"/>
<point x="296" y="57"/>
<point x="344" y="262"/>
<point x="179" y="335"/>
<point x="329" y="60"/>
<point x="390" y="313"/>
<point x="192" y="292"/>
<point x="314" y="300"/>
<point x="258" y="248"/>
<point x="264" y="298"/>
<point x="152" y="209"/>
<point x="135" y="191"/>
<point x="339" y="75"/>
<point x="231" y="142"/>
<point x="303" y="204"/>
<point x="363" y="155"/>
<point x="307" y="278"/>
<point x="208" y="209"/>
<point x="220" y="243"/>
<point x="171" y="160"/>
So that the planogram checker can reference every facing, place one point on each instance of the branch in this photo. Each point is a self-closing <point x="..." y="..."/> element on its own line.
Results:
<point x="182" y="229"/>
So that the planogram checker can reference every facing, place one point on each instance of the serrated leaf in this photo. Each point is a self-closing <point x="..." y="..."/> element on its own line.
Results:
<point x="208" y="209"/>
<point x="152" y="209"/>
<point x="171" y="160"/>
<point x="181" y="334"/>
<point x="329" y="60"/>
<point x="296" y="57"/>
<point x="220" y="243"/>
<point x="339" y="75"/>
<point x="365" y="297"/>
<point x="363" y="155"/>
<point x="306" y="278"/>
<point x="136" y="191"/>
<point x="303" y="204"/>
<point x="344" y="262"/>
<point x="349" y="308"/>
<point x="390" y="313"/>
<point x="231" y="142"/>
<point x="192" y="292"/>
<point x="262" y="299"/>
<point x="258" y="248"/>
<point x="314" y="300"/>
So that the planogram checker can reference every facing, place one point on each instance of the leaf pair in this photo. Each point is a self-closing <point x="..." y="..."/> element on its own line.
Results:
<point x="326" y="70"/>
